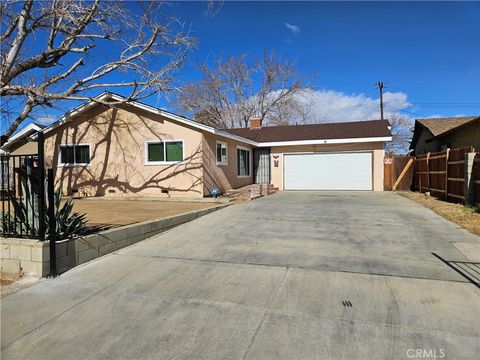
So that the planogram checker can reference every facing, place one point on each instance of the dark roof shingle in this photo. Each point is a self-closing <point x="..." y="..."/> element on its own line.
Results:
<point x="438" y="126"/>
<point x="343" y="130"/>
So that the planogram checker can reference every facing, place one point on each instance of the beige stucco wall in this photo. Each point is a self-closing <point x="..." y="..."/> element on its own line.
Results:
<point x="376" y="148"/>
<point x="28" y="148"/>
<point x="223" y="177"/>
<point x="117" y="149"/>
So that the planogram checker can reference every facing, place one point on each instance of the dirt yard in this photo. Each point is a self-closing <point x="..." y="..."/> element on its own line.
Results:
<point x="457" y="213"/>
<point x="123" y="212"/>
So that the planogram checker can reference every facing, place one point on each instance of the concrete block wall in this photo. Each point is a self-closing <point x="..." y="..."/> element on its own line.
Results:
<point x="21" y="257"/>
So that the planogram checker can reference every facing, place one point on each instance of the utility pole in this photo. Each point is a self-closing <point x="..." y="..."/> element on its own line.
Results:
<point x="380" y="89"/>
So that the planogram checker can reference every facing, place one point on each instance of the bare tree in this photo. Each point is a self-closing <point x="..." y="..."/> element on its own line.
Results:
<point x="401" y="128"/>
<point x="44" y="45"/>
<point x="234" y="90"/>
<point x="292" y="110"/>
<point x="213" y="7"/>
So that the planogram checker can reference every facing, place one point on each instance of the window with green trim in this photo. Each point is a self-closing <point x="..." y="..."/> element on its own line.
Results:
<point x="164" y="151"/>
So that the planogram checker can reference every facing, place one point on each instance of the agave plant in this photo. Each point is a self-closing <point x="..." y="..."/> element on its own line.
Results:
<point x="26" y="220"/>
<point x="69" y="223"/>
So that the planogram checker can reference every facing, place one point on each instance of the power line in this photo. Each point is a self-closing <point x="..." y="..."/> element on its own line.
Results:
<point x="403" y="110"/>
<point x="447" y="103"/>
<point x="447" y="106"/>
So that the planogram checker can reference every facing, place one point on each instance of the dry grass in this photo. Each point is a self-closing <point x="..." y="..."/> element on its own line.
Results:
<point x="123" y="212"/>
<point x="466" y="217"/>
<point x="5" y="282"/>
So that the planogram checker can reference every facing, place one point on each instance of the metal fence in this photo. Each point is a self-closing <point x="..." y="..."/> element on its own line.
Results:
<point x="22" y="192"/>
<point x="22" y="196"/>
<point x="24" y="199"/>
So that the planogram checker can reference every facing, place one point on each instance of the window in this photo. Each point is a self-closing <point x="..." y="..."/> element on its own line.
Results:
<point x="156" y="152"/>
<point x="74" y="154"/>
<point x="222" y="153"/>
<point x="164" y="151"/>
<point x="243" y="162"/>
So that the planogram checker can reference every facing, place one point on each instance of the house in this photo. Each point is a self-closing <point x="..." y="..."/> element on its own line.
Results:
<point x="23" y="142"/>
<point x="437" y="134"/>
<point x="133" y="148"/>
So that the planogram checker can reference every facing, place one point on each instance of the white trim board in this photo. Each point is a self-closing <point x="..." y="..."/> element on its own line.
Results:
<point x="107" y="95"/>
<point x="324" y="142"/>
<point x="26" y="131"/>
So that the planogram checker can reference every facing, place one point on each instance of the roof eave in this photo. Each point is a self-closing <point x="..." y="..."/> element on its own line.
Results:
<point x="414" y="140"/>
<point x="106" y="95"/>
<point x="25" y="133"/>
<point x="326" y="141"/>
<point x="436" y="137"/>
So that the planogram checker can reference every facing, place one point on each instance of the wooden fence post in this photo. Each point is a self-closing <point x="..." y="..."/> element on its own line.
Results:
<point x="419" y="175"/>
<point x="446" y="172"/>
<point x="469" y="176"/>
<point x="428" y="172"/>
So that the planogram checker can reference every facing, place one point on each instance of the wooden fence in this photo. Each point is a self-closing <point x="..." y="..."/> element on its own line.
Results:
<point x="393" y="168"/>
<point x="477" y="178"/>
<point x="442" y="173"/>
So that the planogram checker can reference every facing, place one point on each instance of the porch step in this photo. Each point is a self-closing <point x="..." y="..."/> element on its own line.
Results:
<point x="252" y="191"/>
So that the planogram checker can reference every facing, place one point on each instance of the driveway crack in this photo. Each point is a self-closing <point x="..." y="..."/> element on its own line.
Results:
<point x="267" y="309"/>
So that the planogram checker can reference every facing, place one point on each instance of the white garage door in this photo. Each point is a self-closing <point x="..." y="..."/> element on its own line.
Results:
<point x="328" y="171"/>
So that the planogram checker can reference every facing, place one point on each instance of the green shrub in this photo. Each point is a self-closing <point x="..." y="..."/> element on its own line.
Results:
<point x="68" y="223"/>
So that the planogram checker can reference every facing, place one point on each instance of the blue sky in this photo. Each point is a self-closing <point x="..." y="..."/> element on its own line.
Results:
<point x="429" y="51"/>
<point x="428" y="54"/>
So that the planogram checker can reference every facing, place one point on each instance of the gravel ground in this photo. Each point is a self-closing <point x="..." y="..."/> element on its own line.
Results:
<point x="457" y="213"/>
<point x="123" y="212"/>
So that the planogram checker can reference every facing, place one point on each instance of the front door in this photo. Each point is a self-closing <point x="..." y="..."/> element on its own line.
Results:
<point x="261" y="165"/>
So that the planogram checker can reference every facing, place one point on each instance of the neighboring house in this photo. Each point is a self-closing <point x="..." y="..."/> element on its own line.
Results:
<point x="23" y="142"/>
<point x="134" y="148"/>
<point x="431" y="135"/>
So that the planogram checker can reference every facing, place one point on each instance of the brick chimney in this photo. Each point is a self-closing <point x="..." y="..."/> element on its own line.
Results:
<point x="255" y="123"/>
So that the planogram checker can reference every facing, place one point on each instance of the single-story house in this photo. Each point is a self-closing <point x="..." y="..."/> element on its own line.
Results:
<point x="22" y="142"/>
<point x="437" y="134"/>
<point x="133" y="148"/>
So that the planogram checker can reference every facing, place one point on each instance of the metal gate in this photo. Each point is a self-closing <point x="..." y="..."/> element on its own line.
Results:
<point x="22" y="196"/>
<point x="261" y="166"/>
<point x="22" y="192"/>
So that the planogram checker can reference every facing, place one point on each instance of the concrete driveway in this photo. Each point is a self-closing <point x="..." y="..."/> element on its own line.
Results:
<point x="297" y="275"/>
